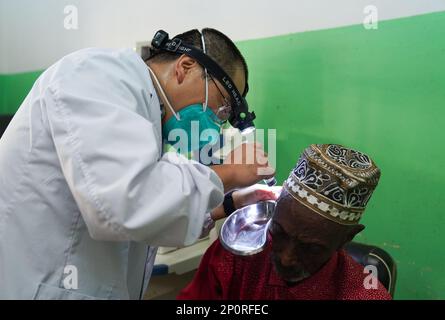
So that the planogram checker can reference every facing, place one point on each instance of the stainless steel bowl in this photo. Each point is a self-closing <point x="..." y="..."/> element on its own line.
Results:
<point x="245" y="231"/>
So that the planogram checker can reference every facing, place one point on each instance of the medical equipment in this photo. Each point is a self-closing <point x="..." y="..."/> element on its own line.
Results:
<point x="245" y="232"/>
<point x="271" y="181"/>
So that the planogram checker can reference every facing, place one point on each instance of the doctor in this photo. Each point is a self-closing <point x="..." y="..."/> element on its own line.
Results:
<point x="86" y="192"/>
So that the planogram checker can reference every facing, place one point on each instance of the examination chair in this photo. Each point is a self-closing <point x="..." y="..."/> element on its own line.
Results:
<point x="4" y="121"/>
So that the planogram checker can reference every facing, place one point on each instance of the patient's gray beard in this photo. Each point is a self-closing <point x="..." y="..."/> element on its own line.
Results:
<point x="286" y="271"/>
<point x="294" y="281"/>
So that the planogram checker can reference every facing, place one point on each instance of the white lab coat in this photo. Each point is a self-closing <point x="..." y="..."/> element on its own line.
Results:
<point x="84" y="188"/>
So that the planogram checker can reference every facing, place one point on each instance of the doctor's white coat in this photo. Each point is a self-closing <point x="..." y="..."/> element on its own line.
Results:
<point x="85" y="191"/>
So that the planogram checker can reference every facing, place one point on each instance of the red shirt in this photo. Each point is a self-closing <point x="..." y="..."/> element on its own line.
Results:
<point x="223" y="275"/>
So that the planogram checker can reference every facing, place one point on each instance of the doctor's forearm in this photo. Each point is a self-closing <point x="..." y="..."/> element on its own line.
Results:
<point x="226" y="175"/>
<point x="218" y="213"/>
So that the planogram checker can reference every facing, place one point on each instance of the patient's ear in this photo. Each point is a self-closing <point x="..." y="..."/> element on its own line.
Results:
<point x="352" y="232"/>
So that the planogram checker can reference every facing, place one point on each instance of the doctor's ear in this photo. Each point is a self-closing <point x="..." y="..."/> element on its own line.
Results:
<point x="184" y="66"/>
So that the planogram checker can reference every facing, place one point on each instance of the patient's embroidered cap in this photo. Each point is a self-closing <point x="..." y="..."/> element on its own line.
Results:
<point x="334" y="181"/>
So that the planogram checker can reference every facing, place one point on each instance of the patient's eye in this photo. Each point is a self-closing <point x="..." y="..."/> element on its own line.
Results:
<point x="277" y="230"/>
<point x="312" y="248"/>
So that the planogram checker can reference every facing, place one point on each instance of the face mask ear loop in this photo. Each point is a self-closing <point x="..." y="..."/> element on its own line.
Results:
<point x="206" y="76"/>
<point x="163" y="94"/>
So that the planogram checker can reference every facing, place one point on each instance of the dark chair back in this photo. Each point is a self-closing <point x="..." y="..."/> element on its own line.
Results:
<point x="4" y="121"/>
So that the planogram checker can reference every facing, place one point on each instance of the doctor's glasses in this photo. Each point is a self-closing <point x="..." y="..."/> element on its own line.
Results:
<point x="225" y="110"/>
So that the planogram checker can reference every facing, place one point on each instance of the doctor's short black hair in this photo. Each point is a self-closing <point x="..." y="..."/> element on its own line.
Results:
<point x="218" y="46"/>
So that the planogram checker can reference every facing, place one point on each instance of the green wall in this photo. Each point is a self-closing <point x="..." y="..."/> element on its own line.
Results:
<point x="380" y="91"/>
<point x="14" y="88"/>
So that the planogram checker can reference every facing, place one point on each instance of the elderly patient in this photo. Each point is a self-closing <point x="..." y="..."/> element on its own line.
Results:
<point x="317" y="213"/>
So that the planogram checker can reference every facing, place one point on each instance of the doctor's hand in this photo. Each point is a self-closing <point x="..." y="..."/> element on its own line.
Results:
<point x="244" y="166"/>
<point x="247" y="196"/>
<point x="254" y="194"/>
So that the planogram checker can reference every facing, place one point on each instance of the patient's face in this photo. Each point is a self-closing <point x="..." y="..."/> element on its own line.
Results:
<point x="302" y="240"/>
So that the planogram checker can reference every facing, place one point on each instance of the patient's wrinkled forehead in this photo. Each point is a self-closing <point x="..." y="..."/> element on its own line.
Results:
<point x="301" y="220"/>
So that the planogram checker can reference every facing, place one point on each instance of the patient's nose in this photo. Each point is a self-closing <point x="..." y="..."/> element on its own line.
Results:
<point x="288" y="259"/>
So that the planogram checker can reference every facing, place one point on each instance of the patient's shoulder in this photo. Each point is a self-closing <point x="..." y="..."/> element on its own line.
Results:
<point x="218" y="254"/>
<point x="356" y="283"/>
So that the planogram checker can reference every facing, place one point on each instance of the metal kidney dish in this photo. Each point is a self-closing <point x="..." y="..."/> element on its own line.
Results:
<point x="245" y="231"/>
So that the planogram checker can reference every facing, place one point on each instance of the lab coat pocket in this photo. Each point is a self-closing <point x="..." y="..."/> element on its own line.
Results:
<point x="47" y="292"/>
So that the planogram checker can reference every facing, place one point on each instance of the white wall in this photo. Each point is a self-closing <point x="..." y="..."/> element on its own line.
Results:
<point x="33" y="35"/>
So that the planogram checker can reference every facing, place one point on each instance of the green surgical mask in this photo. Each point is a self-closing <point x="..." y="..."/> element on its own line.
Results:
<point x="192" y="128"/>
